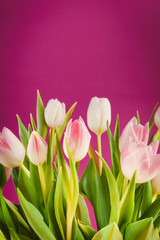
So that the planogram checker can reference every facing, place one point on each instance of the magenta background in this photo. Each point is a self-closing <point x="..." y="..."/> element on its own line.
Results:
<point x="74" y="50"/>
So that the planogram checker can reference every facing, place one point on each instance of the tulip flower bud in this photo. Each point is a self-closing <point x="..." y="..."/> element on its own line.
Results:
<point x="55" y="113"/>
<point x="37" y="149"/>
<point x="157" y="118"/>
<point x="156" y="184"/>
<point x="12" y="152"/>
<point x="99" y="112"/>
<point x="78" y="138"/>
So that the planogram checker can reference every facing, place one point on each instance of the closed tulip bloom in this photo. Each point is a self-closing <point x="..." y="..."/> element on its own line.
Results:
<point x="157" y="118"/>
<point x="78" y="139"/>
<point x="156" y="184"/>
<point x="137" y="132"/>
<point x="37" y="149"/>
<point x="55" y="113"/>
<point x="144" y="159"/>
<point x="12" y="152"/>
<point x="99" y="112"/>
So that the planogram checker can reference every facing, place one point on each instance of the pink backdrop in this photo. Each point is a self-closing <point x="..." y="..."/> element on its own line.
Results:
<point x="74" y="50"/>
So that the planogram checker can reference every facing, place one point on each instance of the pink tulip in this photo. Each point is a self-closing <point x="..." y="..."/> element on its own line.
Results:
<point x="144" y="159"/>
<point x="37" y="149"/>
<point x="137" y="132"/>
<point x="12" y="152"/>
<point x="78" y="138"/>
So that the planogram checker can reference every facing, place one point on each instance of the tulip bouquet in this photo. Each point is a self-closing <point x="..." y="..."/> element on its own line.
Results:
<point x="125" y="198"/>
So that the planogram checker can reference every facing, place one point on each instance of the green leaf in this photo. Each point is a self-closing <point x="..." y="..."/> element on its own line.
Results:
<point x="147" y="197"/>
<point x="35" y="181"/>
<point x="2" y="237"/>
<point x="35" y="219"/>
<point x="153" y="210"/>
<point x="87" y="231"/>
<point x="116" y="132"/>
<point x="58" y="205"/>
<point x="53" y="226"/>
<point x="5" y="211"/>
<point x="61" y="129"/>
<point x="29" y="191"/>
<point x="113" y="192"/>
<point x="151" y="117"/>
<point x="14" y="235"/>
<point x="82" y="211"/>
<point x="3" y="178"/>
<point x="127" y="204"/>
<point x="138" y="118"/>
<point x="49" y="174"/>
<point x="17" y="214"/>
<point x="138" y="201"/>
<point x="29" y="130"/>
<point x="115" y="157"/>
<point x="76" y="233"/>
<point x="140" y="230"/>
<point x="41" y="124"/>
<point x="33" y="123"/>
<point x="23" y="133"/>
<point x="110" y="232"/>
<point x="92" y="186"/>
<point x="157" y="222"/>
<point x="119" y="181"/>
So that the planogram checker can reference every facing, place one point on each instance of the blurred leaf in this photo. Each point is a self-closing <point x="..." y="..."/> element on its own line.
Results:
<point x="113" y="192"/>
<point x="35" y="219"/>
<point x="2" y="237"/>
<point x="41" y="124"/>
<point x="115" y="157"/>
<point x="153" y="210"/>
<point x="87" y="231"/>
<point x="14" y="235"/>
<point x="93" y="156"/>
<point x="92" y="185"/>
<point x="140" y="230"/>
<point x="138" y="201"/>
<point x="119" y="181"/>
<point x="58" y="205"/>
<point x="5" y="212"/>
<point x="23" y="133"/>
<point x="53" y="226"/>
<point x="157" y="222"/>
<point x="127" y="204"/>
<point x="29" y="130"/>
<point x="110" y="232"/>
<point x="82" y="211"/>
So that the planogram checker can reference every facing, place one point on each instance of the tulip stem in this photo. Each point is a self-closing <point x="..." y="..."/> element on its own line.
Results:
<point x="25" y="170"/>
<point x="77" y="166"/>
<point x="100" y="152"/>
<point x="40" y="169"/>
<point x="52" y="142"/>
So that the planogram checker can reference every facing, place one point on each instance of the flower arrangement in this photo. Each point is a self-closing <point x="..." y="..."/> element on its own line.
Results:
<point x="52" y="205"/>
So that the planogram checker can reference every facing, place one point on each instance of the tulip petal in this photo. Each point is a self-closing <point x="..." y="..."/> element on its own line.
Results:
<point x="126" y="133"/>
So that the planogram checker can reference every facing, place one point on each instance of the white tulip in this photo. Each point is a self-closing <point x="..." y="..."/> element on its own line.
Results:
<point x="99" y="112"/>
<point x="157" y="118"/>
<point x="156" y="184"/>
<point x="37" y="149"/>
<point x="55" y="113"/>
